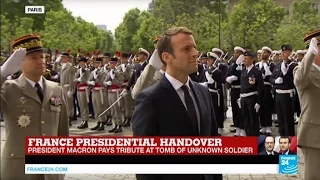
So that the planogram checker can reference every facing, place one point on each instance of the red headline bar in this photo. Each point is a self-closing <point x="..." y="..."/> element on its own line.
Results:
<point x="141" y="146"/>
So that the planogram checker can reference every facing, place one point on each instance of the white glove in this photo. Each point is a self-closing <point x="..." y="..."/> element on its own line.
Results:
<point x="109" y="83"/>
<point x="155" y="60"/>
<point x="279" y="80"/>
<point x="124" y="92"/>
<point x="111" y="74"/>
<point x="91" y="83"/>
<point x="55" y="77"/>
<point x="58" y="59"/>
<point x="232" y="78"/>
<point x="209" y="78"/>
<point x="267" y="69"/>
<point x="313" y="47"/>
<point x="69" y="94"/>
<point x="13" y="63"/>
<point x="79" y="79"/>
<point x="257" y="107"/>
<point x="239" y="102"/>
<point x="205" y="84"/>
<point x="240" y="59"/>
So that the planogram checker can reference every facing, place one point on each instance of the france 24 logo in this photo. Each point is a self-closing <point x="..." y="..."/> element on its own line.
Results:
<point x="34" y="9"/>
<point x="288" y="164"/>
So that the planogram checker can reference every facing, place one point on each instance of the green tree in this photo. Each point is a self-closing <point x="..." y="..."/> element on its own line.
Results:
<point x="5" y="33"/>
<point x="25" y="27"/>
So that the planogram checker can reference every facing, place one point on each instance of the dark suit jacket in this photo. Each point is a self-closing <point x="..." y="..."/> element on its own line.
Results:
<point x="160" y="112"/>
<point x="199" y="75"/>
<point x="291" y="153"/>
<point x="265" y="153"/>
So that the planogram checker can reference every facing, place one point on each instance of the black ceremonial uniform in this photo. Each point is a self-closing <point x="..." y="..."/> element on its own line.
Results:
<point x="266" y="109"/>
<point x="216" y="92"/>
<point x="251" y="94"/>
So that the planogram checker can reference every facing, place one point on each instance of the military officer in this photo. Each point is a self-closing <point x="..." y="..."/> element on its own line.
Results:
<point x="105" y="68"/>
<point x="307" y="81"/>
<point x="31" y="105"/>
<point x="265" y="112"/>
<point x="95" y="80"/>
<point x="251" y="96"/>
<point x="126" y="101"/>
<point x="214" y="78"/>
<point x="81" y="78"/>
<point x="67" y="72"/>
<point x="233" y="79"/>
<point x="282" y="81"/>
<point x="113" y="81"/>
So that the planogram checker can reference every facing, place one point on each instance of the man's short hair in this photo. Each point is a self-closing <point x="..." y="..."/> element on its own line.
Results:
<point x="274" y="140"/>
<point x="285" y="137"/>
<point x="164" y="43"/>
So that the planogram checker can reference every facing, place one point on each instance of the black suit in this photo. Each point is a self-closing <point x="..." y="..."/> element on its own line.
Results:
<point x="265" y="153"/>
<point x="289" y="153"/>
<point x="159" y="111"/>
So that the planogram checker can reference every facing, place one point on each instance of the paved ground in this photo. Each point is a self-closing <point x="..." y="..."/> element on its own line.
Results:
<point x="75" y="132"/>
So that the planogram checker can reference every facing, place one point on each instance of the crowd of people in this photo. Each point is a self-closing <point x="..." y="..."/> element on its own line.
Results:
<point x="173" y="91"/>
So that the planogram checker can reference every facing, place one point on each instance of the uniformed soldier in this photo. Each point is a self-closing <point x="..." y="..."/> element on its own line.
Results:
<point x="95" y="80"/>
<point x="233" y="79"/>
<point x="265" y="112"/>
<point x="142" y="57"/>
<point x="251" y="96"/>
<point x="81" y="78"/>
<point x="300" y="54"/>
<point x="224" y="68"/>
<point x="275" y="59"/>
<point x="105" y="68"/>
<point x="214" y="78"/>
<point x="126" y="101"/>
<point x="113" y="81"/>
<point x="282" y="80"/>
<point x="67" y="72"/>
<point x="31" y="105"/>
<point x="259" y="54"/>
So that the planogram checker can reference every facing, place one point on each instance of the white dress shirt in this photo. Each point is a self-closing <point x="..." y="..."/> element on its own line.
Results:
<point x="249" y="68"/>
<point x="317" y="67"/>
<point x="176" y="84"/>
<point x="32" y="83"/>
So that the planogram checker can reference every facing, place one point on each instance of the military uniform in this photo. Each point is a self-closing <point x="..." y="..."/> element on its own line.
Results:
<point x="27" y="113"/>
<point x="81" y="77"/>
<point x="126" y="101"/>
<point x="96" y="79"/>
<point x="251" y="97"/>
<point x="114" y="80"/>
<point x="106" y="58"/>
<point x="282" y="80"/>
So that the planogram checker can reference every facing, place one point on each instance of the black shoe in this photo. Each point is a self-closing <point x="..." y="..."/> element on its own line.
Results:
<point x="83" y="125"/>
<point x="232" y="125"/>
<point x="268" y="134"/>
<point x="127" y="122"/>
<point x="262" y="133"/>
<point x="109" y="121"/>
<point x="101" y="128"/>
<point x="233" y="130"/>
<point x="96" y="127"/>
<point x="113" y="129"/>
<point x="119" y="129"/>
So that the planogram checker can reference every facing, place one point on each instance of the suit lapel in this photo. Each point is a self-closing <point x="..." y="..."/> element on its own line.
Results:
<point x="199" y="99"/>
<point x="27" y="89"/>
<point x="47" y="93"/>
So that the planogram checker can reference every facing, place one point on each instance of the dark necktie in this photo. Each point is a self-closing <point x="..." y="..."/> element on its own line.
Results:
<point x="190" y="106"/>
<point x="39" y="91"/>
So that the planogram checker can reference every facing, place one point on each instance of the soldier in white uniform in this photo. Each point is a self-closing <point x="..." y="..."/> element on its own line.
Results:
<point x="31" y="106"/>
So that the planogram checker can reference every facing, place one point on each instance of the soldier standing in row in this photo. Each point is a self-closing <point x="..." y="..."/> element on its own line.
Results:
<point x="67" y="72"/>
<point x="31" y="105"/>
<point x="114" y="80"/>
<point x="105" y="68"/>
<point x="96" y="79"/>
<point x="81" y="78"/>
<point x="127" y="101"/>
<point x="282" y="80"/>
<point x="233" y="78"/>
<point x="251" y="96"/>
<point x="265" y="112"/>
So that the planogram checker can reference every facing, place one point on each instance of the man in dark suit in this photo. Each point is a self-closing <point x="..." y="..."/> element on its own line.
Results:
<point x="269" y="143"/>
<point x="285" y="143"/>
<point x="175" y="106"/>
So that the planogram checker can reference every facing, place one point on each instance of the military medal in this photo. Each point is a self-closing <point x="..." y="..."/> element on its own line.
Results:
<point x="252" y="80"/>
<point x="24" y="121"/>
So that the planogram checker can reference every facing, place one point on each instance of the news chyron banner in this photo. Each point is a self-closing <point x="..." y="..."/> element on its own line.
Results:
<point x="147" y="155"/>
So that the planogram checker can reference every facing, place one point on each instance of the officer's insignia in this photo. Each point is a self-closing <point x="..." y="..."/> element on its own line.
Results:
<point x="252" y="80"/>
<point x="23" y="100"/>
<point x="24" y="121"/>
<point x="55" y="100"/>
